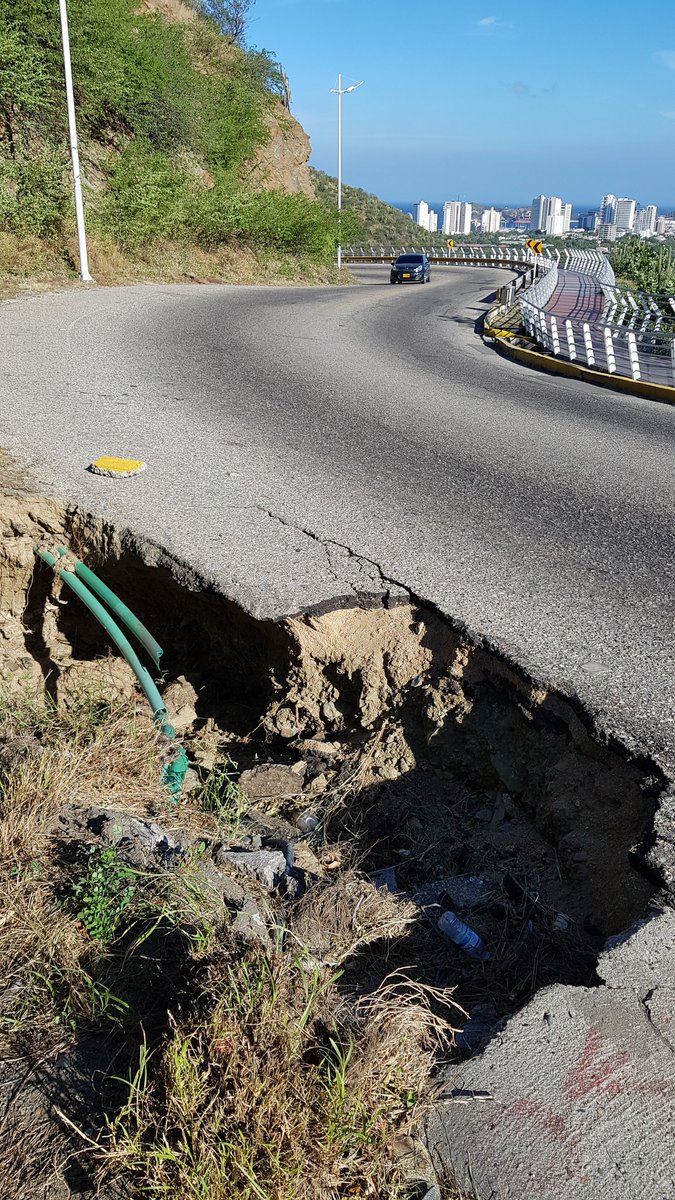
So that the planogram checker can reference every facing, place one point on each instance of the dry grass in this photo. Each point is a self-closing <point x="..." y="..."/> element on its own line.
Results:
<point x="277" y="1086"/>
<point x="97" y="751"/>
<point x="279" y="1078"/>
<point x="339" y="919"/>
<point x="30" y="265"/>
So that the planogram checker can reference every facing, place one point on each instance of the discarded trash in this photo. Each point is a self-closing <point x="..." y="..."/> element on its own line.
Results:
<point x="386" y="880"/>
<point x="307" y="822"/>
<point x="464" y="937"/>
<point x="562" y="922"/>
<point x="478" y="1029"/>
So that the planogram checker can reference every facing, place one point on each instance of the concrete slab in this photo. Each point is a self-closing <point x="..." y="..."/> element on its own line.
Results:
<point x="582" y="1087"/>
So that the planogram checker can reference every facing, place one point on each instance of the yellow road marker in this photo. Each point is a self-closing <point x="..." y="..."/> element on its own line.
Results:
<point x="120" y="468"/>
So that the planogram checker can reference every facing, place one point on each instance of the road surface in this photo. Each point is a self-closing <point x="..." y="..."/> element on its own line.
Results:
<point x="305" y="444"/>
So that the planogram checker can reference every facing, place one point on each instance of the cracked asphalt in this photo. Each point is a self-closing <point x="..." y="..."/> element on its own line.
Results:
<point x="306" y="445"/>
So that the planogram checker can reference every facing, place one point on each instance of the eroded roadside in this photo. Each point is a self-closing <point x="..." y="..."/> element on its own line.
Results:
<point x="430" y="765"/>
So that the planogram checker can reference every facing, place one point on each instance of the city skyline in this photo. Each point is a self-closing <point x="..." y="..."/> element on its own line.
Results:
<point x="612" y="218"/>
<point x="568" y="120"/>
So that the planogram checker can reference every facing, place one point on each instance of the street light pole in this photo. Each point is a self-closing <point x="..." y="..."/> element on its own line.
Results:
<point x="74" y="152"/>
<point x="340" y="93"/>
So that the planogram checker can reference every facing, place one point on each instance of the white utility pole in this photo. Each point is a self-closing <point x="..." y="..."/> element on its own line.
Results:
<point x="77" y="178"/>
<point x="340" y="91"/>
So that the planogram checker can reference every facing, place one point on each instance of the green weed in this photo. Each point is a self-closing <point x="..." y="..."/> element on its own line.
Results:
<point x="103" y="894"/>
<point x="223" y="797"/>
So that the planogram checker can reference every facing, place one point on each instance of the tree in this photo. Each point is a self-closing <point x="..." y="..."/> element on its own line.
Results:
<point x="231" y="16"/>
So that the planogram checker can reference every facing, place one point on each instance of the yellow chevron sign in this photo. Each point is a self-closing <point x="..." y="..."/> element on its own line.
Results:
<point x="535" y="246"/>
<point x="450" y="243"/>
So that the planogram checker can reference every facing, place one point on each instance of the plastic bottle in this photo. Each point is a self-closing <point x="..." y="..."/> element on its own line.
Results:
<point x="452" y="927"/>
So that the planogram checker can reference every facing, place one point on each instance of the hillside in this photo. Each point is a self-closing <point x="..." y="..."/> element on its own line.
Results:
<point x="192" y="166"/>
<point x="375" y="221"/>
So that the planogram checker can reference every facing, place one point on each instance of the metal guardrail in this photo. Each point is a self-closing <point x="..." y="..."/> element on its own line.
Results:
<point x="634" y="337"/>
<point x="639" y="345"/>
<point x="464" y="255"/>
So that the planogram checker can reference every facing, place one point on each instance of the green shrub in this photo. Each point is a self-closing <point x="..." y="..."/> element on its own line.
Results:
<point x="159" y="97"/>
<point x="146" y="198"/>
<point x="651" y="268"/>
<point x="271" y="220"/>
<point x="33" y="193"/>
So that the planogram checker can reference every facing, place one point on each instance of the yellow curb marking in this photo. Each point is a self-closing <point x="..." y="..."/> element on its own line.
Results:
<point x="121" y="467"/>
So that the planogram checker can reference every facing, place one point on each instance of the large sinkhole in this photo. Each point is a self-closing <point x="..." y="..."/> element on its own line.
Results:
<point x="436" y="763"/>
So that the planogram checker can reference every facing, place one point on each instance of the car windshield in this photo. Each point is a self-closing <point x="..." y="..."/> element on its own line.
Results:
<point x="409" y="258"/>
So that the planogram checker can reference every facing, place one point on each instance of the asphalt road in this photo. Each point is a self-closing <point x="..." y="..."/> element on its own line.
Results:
<point x="306" y="443"/>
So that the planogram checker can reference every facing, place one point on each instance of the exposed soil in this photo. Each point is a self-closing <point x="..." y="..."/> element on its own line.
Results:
<point x="417" y="751"/>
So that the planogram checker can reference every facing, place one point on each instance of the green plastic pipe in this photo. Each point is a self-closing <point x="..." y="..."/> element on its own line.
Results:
<point x="117" y="606"/>
<point x="147" y="683"/>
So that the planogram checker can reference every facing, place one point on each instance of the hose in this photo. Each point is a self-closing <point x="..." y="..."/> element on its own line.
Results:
<point x="117" y="606"/>
<point x="176" y="764"/>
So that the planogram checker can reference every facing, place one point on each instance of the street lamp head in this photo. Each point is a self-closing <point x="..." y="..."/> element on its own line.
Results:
<point x="343" y="91"/>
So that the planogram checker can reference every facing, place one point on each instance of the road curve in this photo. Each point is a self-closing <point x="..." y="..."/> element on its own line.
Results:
<point x="305" y="444"/>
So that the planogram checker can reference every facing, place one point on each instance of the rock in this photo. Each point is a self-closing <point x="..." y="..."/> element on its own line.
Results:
<point x="315" y="748"/>
<point x="139" y="842"/>
<point x="18" y="749"/>
<point x="267" y="866"/>
<point x="318" y="785"/>
<point x="331" y="712"/>
<point x="250" y="924"/>
<point x="270" y="781"/>
<point x="285" y="723"/>
<point x="388" y="771"/>
<point x="226" y="888"/>
<point x="304" y="859"/>
<point x="180" y="694"/>
<point x="181" y="699"/>
<point x="191" y="781"/>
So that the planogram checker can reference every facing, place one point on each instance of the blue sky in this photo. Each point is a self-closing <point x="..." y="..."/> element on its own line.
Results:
<point x="495" y="105"/>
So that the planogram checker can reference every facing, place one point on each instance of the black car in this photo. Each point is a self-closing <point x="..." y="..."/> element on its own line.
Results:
<point x="410" y="268"/>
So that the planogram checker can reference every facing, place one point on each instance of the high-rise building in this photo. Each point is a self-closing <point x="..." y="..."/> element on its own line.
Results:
<point x="539" y="212"/>
<point x="422" y="214"/>
<point x="588" y="221"/>
<point x="646" y="219"/>
<point x="432" y="221"/>
<point x="490" y="220"/>
<point x="554" y="225"/>
<point x="607" y="212"/>
<point x="551" y="215"/>
<point x="606" y="231"/>
<point x="625" y="214"/>
<point x="456" y="217"/>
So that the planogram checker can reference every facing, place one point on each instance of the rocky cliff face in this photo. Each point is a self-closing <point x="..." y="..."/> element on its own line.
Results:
<point x="283" y="162"/>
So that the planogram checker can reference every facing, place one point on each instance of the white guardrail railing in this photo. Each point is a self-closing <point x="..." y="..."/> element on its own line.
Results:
<point x="633" y="335"/>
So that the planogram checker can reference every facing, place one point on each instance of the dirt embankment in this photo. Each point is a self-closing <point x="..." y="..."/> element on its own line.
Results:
<point x="435" y="723"/>
<point x="369" y="766"/>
